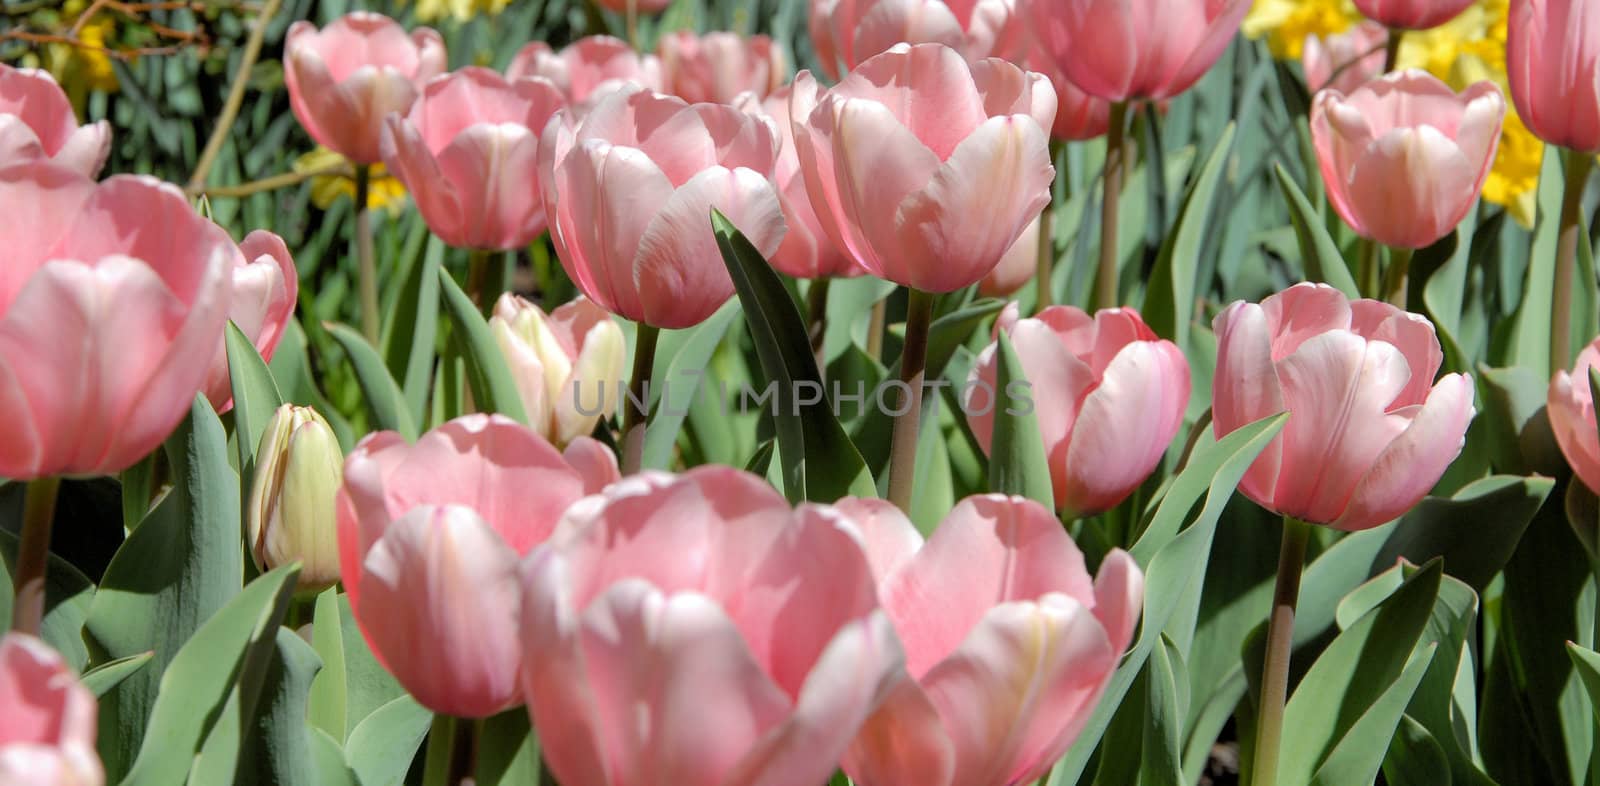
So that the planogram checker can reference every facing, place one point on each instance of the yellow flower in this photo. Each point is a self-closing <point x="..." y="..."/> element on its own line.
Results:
<point x="384" y="191"/>
<point x="85" y="66"/>
<point x="462" y="10"/>
<point x="1286" y="23"/>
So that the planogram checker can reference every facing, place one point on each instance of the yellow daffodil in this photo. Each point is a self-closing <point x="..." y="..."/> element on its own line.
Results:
<point x="1286" y="23"/>
<point x="384" y="191"/>
<point x="461" y="10"/>
<point x="84" y="66"/>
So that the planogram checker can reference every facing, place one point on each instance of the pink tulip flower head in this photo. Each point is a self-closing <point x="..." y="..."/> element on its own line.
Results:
<point x="265" y="288"/>
<point x="1122" y="50"/>
<point x="717" y="67"/>
<point x="567" y="364"/>
<point x="37" y="121"/>
<point x="1412" y="14"/>
<point x="922" y="167"/>
<point x="1553" y="67"/>
<point x="1571" y="409"/>
<point x="1344" y="61"/>
<point x="806" y="251"/>
<point x="469" y="154"/>
<point x="588" y="68"/>
<point x="1109" y="395"/>
<point x="1369" y="430"/>
<point x="346" y="78"/>
<point x="429" y="540"/>
<point x="113" y="297"/>
<point x="1078" y="114"/>
<point x="629" y="190"/>
<point x="1404" y="157"/>
<point x="1017" y="267"/>
<point x="751" y="655"/>
<point x="47" y="730"/>
<point x="847" y="33"/>
<point x="1009" y="643"/>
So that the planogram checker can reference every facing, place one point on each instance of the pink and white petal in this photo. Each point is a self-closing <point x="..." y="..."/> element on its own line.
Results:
<point x="1410" y="333"/>
<point x="1412" y="187"/>
<point x="42" y="203"/>
<point x="903" y="742"/>
<point x="491" y="166"/>
<point x="1093" y="42"/>
<point x="527" y="373"/>
<point x="555" y="677"/>
<point x="889" y="22"/>
<point x="1301" y="312"/>
<point x="594" y="462"/>
<point x="86" y="149"/>
<point x="1245" y="389"/>
<point x="1119" y="598"/>
<point x="1414" y="461"/>
<point x="606" y="194"/>
<point x="877" y="164"/>
<point x="1125" y="426"/>
<point x="888" y="538"/>
<point x="21" y="453"/>
<point x="407" y="156"/>
<point x="927" y="88"/>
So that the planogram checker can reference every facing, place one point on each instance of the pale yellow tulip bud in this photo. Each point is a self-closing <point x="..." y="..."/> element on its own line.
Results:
<point x="567" y="365"/>
<point x="292" y="513"/>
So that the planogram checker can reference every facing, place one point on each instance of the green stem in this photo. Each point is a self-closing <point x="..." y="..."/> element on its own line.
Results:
<point x="632" y="19"/>
<point x="913" y="363"/>
<point x="1367" y="268"/>
<point x="477" y="276"/>
<point x="33" y="554"/>
<point x="1280" y="638"/>
<point x="1047" y="258"/>
<point x="817" y="317"/>
<point x="1398" y="275"/>
<point x="367" y="265"/>
<point x="875" y="325"/>
<point x="1106" y="281"/>
<point x="634" y="413"/>
<point x="1572" y="230"/>
<point x="1391" y="50"/>
<point x="230" y="107"/>
<point x="449" y="758"/>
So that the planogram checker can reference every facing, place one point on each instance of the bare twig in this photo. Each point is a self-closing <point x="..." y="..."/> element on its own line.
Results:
<point x="230" y="108"/>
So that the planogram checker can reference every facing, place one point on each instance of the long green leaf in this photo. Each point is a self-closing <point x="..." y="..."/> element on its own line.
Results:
<point x="688" y="363"/>
<point x="255" y="397"/>
<point x="1318" y="252"/>
<point x="1017" y="460"/>
<point x="492" y="387"/>
<point x="106" y="676"/>
<point x="382" y="746"/>
<point x="388" y="405"/>
<point x="326" y="704"/>
<point x="1169" y="300"/>
<point x="412" y="327"/>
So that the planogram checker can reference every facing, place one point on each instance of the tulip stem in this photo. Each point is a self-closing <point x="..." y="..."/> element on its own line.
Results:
<point x="913" y="363"/>
<point x="448" y="761"/>
<point x="875" y="324"/>
<point x="1572" y="230"/>
<point x="367" y="267"/>
<point x="1106" y="281"/>
<point x="635" y="412"/>
<point x="1280" y="638"/>
<point x="230" y="106"/>
<point x="33" y="554"/>
<point x="1396" y="277"/>
<point x="1391" y="49"/>
<point x="477" y="275"/>
<point x="1047" y="257"/>
<point x="1367" y="268"/>
<point x="631" y="19"/>
<point x="817" y="317"/>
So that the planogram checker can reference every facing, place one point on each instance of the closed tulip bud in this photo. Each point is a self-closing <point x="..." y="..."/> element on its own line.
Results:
<point x="1344" y="61"/>
<point x="37" y="122"/>
<point x="292" y="512"/>
<point x="567" y="365"/>
<point x="1412" y="14"/>
<point x="1572" y="417"/>
<point x="1551" y="49"/>
<point x="1122" y="50"/>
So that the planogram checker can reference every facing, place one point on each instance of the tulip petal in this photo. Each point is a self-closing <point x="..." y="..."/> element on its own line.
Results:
<point x="1246" y="389"/>
<point x="888" y="538"/>
<point x="492" y="166"/>
<point x="594" y="462"/>
<point x="1119" y="598"/>
<point x="889" y="22"/>
<point x="1410" y="465"/>
<point x="1125" y="425"/>
<point x="1412" y="187"/>
<point x="606" y="194"/>
<point x="1410" y="333"/>
<point x="1302" y="312"/>
<point x="928" y="89"/>
<point x="872" y="163"/>
<point x="42" y="202"/>
<point x="527" y="372"/>
<point x="408" y="157"/>
<point x="561" y="700"/>
<point x="903" y="742"/>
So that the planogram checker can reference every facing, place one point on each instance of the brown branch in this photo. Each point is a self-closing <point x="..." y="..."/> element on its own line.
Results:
<point x="230" y="107"/>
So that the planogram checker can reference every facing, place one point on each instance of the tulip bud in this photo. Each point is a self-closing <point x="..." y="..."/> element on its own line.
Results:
<point x="292" y="514"/>
<point x="567" y="365"/>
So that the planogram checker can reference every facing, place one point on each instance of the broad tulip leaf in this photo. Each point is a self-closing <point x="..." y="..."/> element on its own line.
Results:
<point x="1167" y="699"/>
<point x="201" y="679"/>
<point x="68" y="596"/>
<point x="490" y="380"/>
<point x="1530" y="325"/>
<point x="1415" y="757"/>
<point x="291" y="368"/>
<point x="1018" y="463"/>
<point x="175" y="572"/>
<point x="1360" y="752"/>
<point x="262" y="736"/>
<point x="1320" y="255"/>
<point x="819" y="461"/>
<point x="255" y="398"/>
<point x="508" y="752"/>
<point x="327" y="760"/>
<point x="368" y="686"/>
<point x="382" y="746"/>
<point x="685" y="380"/>
<point x="411" y="328"/>
<point x="326" y="704"/>
<point x="388" y="405"/>
<point x="1169" y="300"/>
<point x="103" y="678"/>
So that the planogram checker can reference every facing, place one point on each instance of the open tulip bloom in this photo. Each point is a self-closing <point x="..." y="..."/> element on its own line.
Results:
<point x="927" y="417"/>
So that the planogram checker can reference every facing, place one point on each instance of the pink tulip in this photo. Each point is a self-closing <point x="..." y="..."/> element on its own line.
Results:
<point x="923" y="168"/>
<point x="37" y="121"/>
<point x="1552" y="57"/>
<point x="1369" y="431"/>
<point x="1009" y="643"/>
<point x="567" y="365"/>
<point x="629" y="189"/>
<point x="1403" y="157"/>
<point x="695" y="631"/>
<point x="346" y="78"/>
<point x="1078" y="114"/>
<point x="1122" y="50"/>
<point x="806" y="251"/>
<point x="469" y="154"/>
<point x="1016" y="268"/>
<point x="430" y="536"/>
<point x="265" y="286"/>
<point x="1108" y="393"/>
<point x="717" y="67"/>
<point x="847" y="33"/>
<point x="1344" y="61"/>
<point x="48" y="727"/>
<point x="1572" y="418"/>
<point x="113" y="297"/>
<point x="1412" y="14"/>
<point x="588" y="68"/>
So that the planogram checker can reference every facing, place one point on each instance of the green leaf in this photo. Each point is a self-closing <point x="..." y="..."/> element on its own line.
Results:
<point x="1318" y="252"/>
<point x="106" y="676"/>
<point x="382" y="746"/>
<point x="1415" y="757"/>
<point x="327" y="760"/>
<point x="388" y="405"/>
<point x="1359" y="754"/>
<point x="412" y="327"/>
<point x="1167" y="699"/>
<point x="326" y="704"/>
<point x="68" y="596"/>
<point x="1017" y="461"/>
<point x="761" y="459"/>
<point x="1169" y="300"/>
<point x="508" y="753"/>
<point x="1475" y="531"/>
<point x="951" y="331"/>
<point x="1530" y="325"/>
<point x="255" y="397"/>
<point x="1352" y="678"/>
<point x="685" y="380"/>
<point x="177" y="570"/>
<point x="368" y="686"/>
<point x="819" y="461"/>
<point x="201" y="678"/>
<point x="492" y="387"/>
<point x="262" y="736"/>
